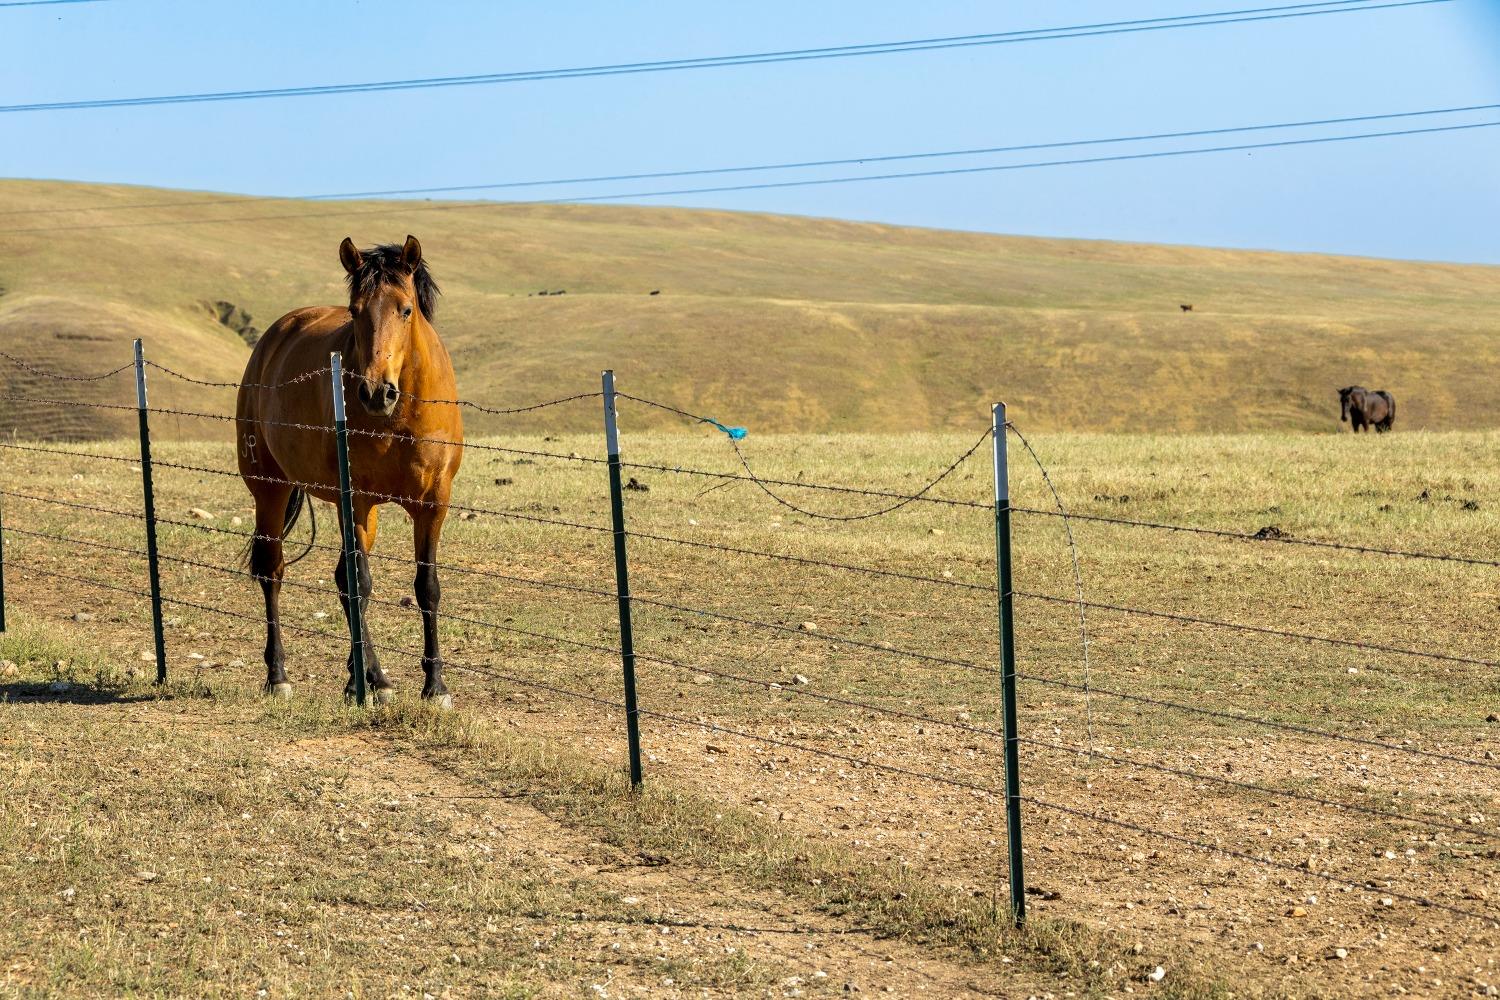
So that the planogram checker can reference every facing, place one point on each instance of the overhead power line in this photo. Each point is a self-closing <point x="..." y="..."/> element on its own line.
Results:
<point x="892" y="158"/>
<point x="43" y="3"/>
<point x="768" y="185"/>
<point x="995" y="168"/>
<point x="745" y="59"/>
<point x="795" y="165"/>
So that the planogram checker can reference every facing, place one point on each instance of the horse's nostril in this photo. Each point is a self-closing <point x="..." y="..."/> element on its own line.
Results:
<point x="389" y="392"/>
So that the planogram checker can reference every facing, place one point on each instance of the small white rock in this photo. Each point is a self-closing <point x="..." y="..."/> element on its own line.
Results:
<point x="1157" y="974"/>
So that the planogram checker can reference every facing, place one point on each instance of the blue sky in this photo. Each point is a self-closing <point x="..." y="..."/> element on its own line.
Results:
<point x="1426" y="197"/>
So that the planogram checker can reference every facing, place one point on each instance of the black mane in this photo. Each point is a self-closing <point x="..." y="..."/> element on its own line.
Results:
<point x="383" y="265"/>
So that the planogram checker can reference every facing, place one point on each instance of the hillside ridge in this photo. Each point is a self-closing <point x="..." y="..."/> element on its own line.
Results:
<point x="782" y="323"/>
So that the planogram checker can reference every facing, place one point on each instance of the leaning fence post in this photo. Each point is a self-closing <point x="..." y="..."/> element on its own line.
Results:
<point x="148" y="490"/>
<point x="1008" y="666"/>
<point x="351" y="546"/>
<point x="622" y="578"/>
<point x="2" y="568"/>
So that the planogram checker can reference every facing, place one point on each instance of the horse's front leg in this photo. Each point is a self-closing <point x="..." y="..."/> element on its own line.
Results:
<point x="364" y="537"/>
<point x="427" y="524"/>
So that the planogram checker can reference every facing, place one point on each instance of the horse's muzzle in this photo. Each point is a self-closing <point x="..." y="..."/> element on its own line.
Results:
<point x="379" y="398"/>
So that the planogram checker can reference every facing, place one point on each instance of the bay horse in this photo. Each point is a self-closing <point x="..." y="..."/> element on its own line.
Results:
<point x="1364" y="409"/>
<point x="405" y="441"/>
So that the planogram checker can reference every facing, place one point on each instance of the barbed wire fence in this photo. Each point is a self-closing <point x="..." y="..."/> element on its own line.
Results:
<point x="618" y="637"/>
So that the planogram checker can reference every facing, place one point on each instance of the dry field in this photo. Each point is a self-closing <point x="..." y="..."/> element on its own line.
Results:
<point x="398" y="851"/>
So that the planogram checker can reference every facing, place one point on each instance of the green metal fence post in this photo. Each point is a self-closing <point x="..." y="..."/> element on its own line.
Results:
<point x="1008" y="667"/>
<point x="153" y="564"/>
<point x="622" y="578"/>
<point x="351" y="545"/>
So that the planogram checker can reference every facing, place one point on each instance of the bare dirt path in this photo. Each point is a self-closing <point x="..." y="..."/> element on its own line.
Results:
<point x="683" y="909"/>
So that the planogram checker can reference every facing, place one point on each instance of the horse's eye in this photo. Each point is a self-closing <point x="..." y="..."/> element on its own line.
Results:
<point x="406" y="313"/>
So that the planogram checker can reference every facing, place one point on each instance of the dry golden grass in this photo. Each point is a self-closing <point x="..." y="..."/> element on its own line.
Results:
<point x="874" y="833"/>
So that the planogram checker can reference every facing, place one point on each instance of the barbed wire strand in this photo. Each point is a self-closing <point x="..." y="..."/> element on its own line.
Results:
<point x="388" y="497"/>
<point x="359" y="432"/>
<point x="1259" y="789"/>
<point x="92" y="508"/>
<point x="1291" y="727"/>
<point x="730" y="477"/>
<point x="46" y="571"/>
<point x="59" y="376"/>
<point x="42" y="449"/>
<point x="1257" y="537"/>
<point x="356" y="376"/>
<point x="297" y="379"/>
<point x="1083" y="622"/>
<point x="766" y="489"/>
<point x="1262" y="630"/>
<point x="87" y="404"/>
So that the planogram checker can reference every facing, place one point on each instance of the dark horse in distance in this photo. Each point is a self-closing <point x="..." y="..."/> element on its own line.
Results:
<point x="1364" y="409"/>
<point x="405" y="441"/>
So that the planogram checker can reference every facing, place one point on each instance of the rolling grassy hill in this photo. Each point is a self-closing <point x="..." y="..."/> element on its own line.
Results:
<point x="778" y="323"/>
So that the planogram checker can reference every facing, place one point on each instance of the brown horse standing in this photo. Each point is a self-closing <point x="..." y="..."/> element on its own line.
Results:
<point x="399" y="370"/>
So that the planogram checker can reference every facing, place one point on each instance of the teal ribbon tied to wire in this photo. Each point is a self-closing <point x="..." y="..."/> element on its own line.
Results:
<point x="735" y="433"/>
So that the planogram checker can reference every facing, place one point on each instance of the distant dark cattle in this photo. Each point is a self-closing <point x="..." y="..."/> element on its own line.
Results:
<point x="561" y="291"/>
<point x="1186" y="307"/>
<point x="544" y="292"/>
<point x="1364" y="408"/>
<point x="656" y="291"/>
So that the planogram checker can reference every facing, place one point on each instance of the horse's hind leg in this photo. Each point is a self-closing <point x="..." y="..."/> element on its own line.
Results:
<point x="269" y="566"/>
<point x="364" y="536"/>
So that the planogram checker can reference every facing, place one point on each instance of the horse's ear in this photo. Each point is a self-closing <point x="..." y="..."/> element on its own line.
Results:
<point x="350" y="256"/>
<point x="411" y="252"/>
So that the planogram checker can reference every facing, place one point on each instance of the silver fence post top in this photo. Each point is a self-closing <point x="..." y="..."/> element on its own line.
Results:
<point x="336" y="362"/>
<point x="140" y="375"/>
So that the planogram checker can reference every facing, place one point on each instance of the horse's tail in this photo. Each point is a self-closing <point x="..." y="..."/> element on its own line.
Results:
<point x="1390" y="417"/>
<point x="294" y="505"/>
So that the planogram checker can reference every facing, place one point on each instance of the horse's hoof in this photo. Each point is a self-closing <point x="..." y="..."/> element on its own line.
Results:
<point x="282" y="691"/>
<point x="441" y="702"/>
<point x="384" y="696"/>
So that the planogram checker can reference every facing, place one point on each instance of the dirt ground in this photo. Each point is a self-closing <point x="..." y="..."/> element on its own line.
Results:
<point x="607" y="923"/>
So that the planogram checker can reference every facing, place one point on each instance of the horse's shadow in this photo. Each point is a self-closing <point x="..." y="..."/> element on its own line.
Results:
<point x="71" y="693"/>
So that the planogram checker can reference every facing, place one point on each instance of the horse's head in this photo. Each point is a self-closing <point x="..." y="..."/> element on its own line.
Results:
<point x="1344" y="399"/>
<point x="391" y="294"/>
